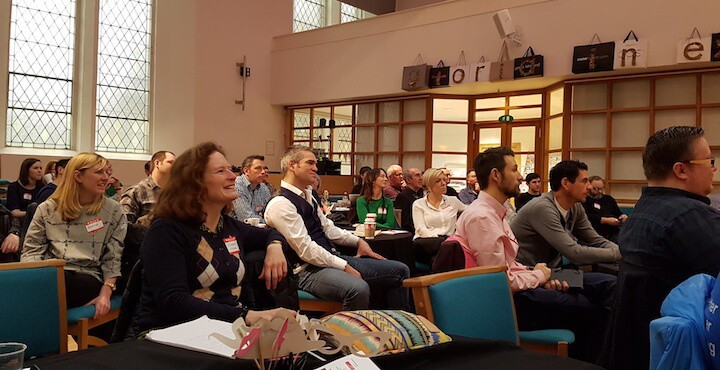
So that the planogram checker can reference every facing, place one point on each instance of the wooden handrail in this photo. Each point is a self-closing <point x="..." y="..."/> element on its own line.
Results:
<point x="427" y="280"/>
<point x="34" y="264"/>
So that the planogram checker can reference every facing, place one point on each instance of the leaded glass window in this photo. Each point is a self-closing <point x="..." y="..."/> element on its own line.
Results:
<point x="349" y="13"/>
<point x="124" y="40"/>
<point x="308" y="15"/>
<point x="40" y="78"/>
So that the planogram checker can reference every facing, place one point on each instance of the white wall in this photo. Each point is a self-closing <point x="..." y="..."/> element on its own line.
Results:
<point x="365" y="58"/>
<point x="227" y="30"/>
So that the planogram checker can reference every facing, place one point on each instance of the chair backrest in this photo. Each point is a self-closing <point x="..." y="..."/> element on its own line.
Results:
<point x="25" y="222"/>
<point x="32" y="307"/>
<point x="474" y="302"/>
<point x="450" y="257"/>
<point x="130" y="301"/>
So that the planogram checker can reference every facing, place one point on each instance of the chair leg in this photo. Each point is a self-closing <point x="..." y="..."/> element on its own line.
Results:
<point x="80" y="332"/>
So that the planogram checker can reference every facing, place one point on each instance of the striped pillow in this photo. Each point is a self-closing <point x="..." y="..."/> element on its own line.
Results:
<point x="409" y="331"/>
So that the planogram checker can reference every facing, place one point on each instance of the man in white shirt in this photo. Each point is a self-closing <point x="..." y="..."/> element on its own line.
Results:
<point x="323" y="272"/>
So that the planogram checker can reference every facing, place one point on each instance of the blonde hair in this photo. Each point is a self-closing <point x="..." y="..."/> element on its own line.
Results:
<point x="431" y="176"/>
<point x="67" y="195"/>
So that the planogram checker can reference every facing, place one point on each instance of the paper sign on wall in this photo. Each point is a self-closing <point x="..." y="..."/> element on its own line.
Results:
<point x="631" y="52"/>
<point x="694" y="48"/>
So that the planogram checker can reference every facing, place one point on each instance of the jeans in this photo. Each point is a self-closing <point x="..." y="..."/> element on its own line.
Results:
<point x="384" y="276"/>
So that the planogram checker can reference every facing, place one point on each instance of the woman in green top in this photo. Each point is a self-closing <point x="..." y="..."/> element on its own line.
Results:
<point x="373" y="201"/>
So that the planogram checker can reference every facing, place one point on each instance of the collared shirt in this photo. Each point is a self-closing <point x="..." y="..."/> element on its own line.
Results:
<point x="391" y="192"/>
<point x="467" y="195"/>
<point x="139" y="199"/>
<point x="250" y="202"/>
<point x="283" y="216"/>
<point x="431" y="222"/>
<point x="485" y="234"/>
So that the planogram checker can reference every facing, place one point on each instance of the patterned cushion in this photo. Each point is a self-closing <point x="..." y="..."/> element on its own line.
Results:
<point x="409" y="331"/>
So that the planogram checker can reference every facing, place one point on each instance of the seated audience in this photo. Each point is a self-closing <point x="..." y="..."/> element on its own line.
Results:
<point x="25" y="190"/>
<point x="83" y="227"/>
<point x="139" y="200"/>
<point x="555" y="225"/>
<point x="451" y="192"/>
<point x="434" y="216"/>
<point x="372" y="200"/>
<point x="194" y="251"/>
<point x="114" y="186"/>
<point x="670" y="236"/>
<point x="395" y="183"/>
<point x="603" y="211"/>
<point x="50" y="188"/>
<point x="315" y="188"/>
<point x="253" y="193"/>
<point x="357" y="189"/>
<point x="321" y="270"/>
<point x="534" y="183"/>
<point x="540" y="301"/>
<point x="412" y="192"/>
<point x="10" y="248"/>
<point x="49" y="173"/>
<point x="470" y="193"/>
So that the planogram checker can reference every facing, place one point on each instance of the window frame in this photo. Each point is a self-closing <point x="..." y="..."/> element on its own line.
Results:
<point x="84" y="90"/>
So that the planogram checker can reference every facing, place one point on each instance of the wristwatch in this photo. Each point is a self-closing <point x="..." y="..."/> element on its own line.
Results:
<point x="111" y="285"/>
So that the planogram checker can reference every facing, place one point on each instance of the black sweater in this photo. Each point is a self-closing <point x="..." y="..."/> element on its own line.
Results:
<point x="189" y="272"/>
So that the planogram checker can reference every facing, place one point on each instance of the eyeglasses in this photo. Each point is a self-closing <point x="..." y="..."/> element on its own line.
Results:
<point x="599" y="189"/>
<point x="707" y="161"/>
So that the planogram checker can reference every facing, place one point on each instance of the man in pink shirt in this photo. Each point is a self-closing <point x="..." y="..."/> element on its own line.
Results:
<point x="540" y="302"/>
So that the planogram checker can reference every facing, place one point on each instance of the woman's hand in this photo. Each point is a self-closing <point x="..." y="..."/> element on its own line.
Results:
<point x="102" y="305"/>
<point x="275" y="266"/>
<point x="254" y="316"/>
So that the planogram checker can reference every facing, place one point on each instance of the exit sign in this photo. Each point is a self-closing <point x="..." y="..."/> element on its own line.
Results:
<point x="506" y="118"/>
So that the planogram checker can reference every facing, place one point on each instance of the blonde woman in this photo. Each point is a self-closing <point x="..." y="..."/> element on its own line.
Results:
<point x="434" y="215"/>
<point x="79" y="224"/>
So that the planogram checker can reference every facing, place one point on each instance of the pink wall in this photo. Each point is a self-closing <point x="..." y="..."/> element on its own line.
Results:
<point x="365" y="58"/>
<point x="227" y="30"/>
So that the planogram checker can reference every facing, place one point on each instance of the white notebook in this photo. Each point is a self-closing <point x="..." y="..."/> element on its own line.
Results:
<point x="195" y="335"/>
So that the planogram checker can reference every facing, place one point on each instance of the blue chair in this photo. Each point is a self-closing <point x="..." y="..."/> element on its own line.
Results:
<point x="32" y="307"/>
<point x="80" y="320"/>
<point x="309" y="302"/>
<point x="477" y="303"/>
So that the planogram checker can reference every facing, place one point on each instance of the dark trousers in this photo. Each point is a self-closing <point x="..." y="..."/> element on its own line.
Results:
<point x="80" y="288"/>
<point x="427" y="248"/>
<point x="584" y="312"/>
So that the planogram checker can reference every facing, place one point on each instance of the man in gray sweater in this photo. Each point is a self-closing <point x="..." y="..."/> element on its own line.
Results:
<point x="555" y="224"/>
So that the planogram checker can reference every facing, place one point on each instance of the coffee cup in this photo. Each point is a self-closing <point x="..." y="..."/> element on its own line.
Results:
<point x="370" y="229"/>
<point x="253" y="221"/>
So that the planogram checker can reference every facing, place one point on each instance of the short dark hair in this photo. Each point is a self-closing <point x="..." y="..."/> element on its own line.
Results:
<point x="569" y="169"/>
<point x="147" y="166"/>
<point x="486" y="161"/>
<point x="24" y="177"/>
<point x="61" y="164"/>
<point x="667" y="147"/>
<point x="364" y="169"/>
<point x="531" y="176"/>
<point x="158" y="156"/>
<point x="248" y="161"/>
<point x="595" y="178"/>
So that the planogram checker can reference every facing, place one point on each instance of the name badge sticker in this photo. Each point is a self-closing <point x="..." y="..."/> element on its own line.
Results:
<point x="232" y="245"/>
<point x="597" y="206"/>
<point x="27" y="196"/>
<point x="94" y="225"/>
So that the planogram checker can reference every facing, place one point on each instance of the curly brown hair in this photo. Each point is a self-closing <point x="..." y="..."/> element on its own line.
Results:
<point x="181" y="198"/>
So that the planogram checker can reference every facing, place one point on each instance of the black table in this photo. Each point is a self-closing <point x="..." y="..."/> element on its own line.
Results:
<point x="461" y="353"/>
<point x="398" y="247"/>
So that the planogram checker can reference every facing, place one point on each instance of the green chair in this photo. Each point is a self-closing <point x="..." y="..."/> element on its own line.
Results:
<point x="309" y="302"/>
<point x="33" y="307"/>
<point x="477" y="303"/>
<point x="80" y="320"/>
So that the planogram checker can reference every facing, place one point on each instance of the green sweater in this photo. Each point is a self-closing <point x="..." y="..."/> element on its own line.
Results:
<point x="385" y="219"/>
